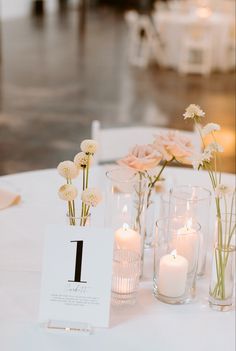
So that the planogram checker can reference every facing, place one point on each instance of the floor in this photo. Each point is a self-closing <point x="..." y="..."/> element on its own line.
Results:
<point x="54" y="81"/>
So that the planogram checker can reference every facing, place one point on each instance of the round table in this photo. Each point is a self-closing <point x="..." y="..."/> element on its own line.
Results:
<point x="172" y="27"/>
<point x="149" y="325"/>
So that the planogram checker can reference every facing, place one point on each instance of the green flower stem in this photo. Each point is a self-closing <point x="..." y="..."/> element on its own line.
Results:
<point x="83" y="178"/>
<point x="71" y="213"/>
<point x="140" y="201"/>
<point x="153" y="182"/>
<point x="87" y="172"/>
<point x="219" y="158"/>
<point x="159" y="174"/>
<point x="223" y="239"/>
<point x="86" y="216"/>
<point x="83" y="207"/>
<point x="199" y="131"/>
<point x="71" y="206"/>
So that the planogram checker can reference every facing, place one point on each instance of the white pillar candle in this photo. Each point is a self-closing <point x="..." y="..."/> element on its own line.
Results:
<point x="173" y="271"/>
<point x="186" y="244"/>
<point x="127" y="239"/>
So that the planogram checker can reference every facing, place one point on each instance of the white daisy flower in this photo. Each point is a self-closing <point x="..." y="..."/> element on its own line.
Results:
<point x="209" y="128"/>
<point x="214" y="147"/>
<point x="198" y="159"/>
<point x="193" y="111"/>
<point x="223" y="190"/>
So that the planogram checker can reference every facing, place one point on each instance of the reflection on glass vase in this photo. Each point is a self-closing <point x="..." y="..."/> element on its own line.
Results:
<point x="153" y="195"/>
<point x="223" y="264"/>
<point x="125" y="208"/>
<point x="150" y="220"/>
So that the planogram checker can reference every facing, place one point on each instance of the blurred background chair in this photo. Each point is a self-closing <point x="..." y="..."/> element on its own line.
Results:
<point x="114" y="143"/>
<point x="196" y="49"/>
<point x="144" y="44"/>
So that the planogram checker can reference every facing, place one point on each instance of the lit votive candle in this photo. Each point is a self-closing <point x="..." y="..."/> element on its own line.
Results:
<point x="186" y="244"/>
<point x="123" y="285"/>
<point x="125" y="276"/>
<point x="127" y="239"/>
<point x="173" y="272"/>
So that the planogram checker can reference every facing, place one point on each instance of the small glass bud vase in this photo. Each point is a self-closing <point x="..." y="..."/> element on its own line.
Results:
<point x="84" y="221"/>
<point x="175" y="260"/>
<point x="153" y="195"/>
<point x="223" y="264"/>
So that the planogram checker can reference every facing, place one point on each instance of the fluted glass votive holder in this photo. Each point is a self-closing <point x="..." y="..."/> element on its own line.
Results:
<point x="125" y="277"/>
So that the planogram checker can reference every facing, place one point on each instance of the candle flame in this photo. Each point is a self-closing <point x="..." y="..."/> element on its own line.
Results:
<point x="125" y="210"/>
<point x="189" y="223"/>
<point x="125" y="226"/>
<point x="174" y="253"/>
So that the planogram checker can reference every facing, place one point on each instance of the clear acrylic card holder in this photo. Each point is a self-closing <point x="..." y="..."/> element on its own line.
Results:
<point x="72" y="327"/>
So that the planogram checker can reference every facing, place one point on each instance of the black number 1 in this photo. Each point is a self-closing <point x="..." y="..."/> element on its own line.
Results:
<point x="78" y="261"/>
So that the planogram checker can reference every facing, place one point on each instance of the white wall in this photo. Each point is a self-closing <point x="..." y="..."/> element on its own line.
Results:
<point x="19" y="8"/>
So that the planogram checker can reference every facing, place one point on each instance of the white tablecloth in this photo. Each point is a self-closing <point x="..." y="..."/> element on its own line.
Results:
<point x="149" y="325"/>
<point x="172" y="27"/>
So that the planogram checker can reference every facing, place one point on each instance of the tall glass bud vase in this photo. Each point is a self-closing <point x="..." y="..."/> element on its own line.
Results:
<point x="223" y="264"/>
<point x="153" y="200"/>
<point x="125" y="209"/>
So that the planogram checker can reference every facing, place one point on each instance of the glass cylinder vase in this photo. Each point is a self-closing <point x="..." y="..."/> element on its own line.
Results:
<point x="223" y="264"/>
<point x="193" y="202"/>
<point x="175" y="260"/>
<point x="125" y="209"/>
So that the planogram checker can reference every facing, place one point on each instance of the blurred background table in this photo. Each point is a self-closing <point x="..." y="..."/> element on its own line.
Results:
<point x="175" y="28"/>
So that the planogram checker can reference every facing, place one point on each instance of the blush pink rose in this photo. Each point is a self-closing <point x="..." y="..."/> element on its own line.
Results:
<point x="174" y="145"/>
<point x="141" y="158"/>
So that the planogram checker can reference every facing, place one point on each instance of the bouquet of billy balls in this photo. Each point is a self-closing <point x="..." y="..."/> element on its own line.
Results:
<point x="68" y="192"/>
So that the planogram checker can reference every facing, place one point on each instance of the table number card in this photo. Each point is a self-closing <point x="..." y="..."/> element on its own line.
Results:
<point x="76" y="277"/>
